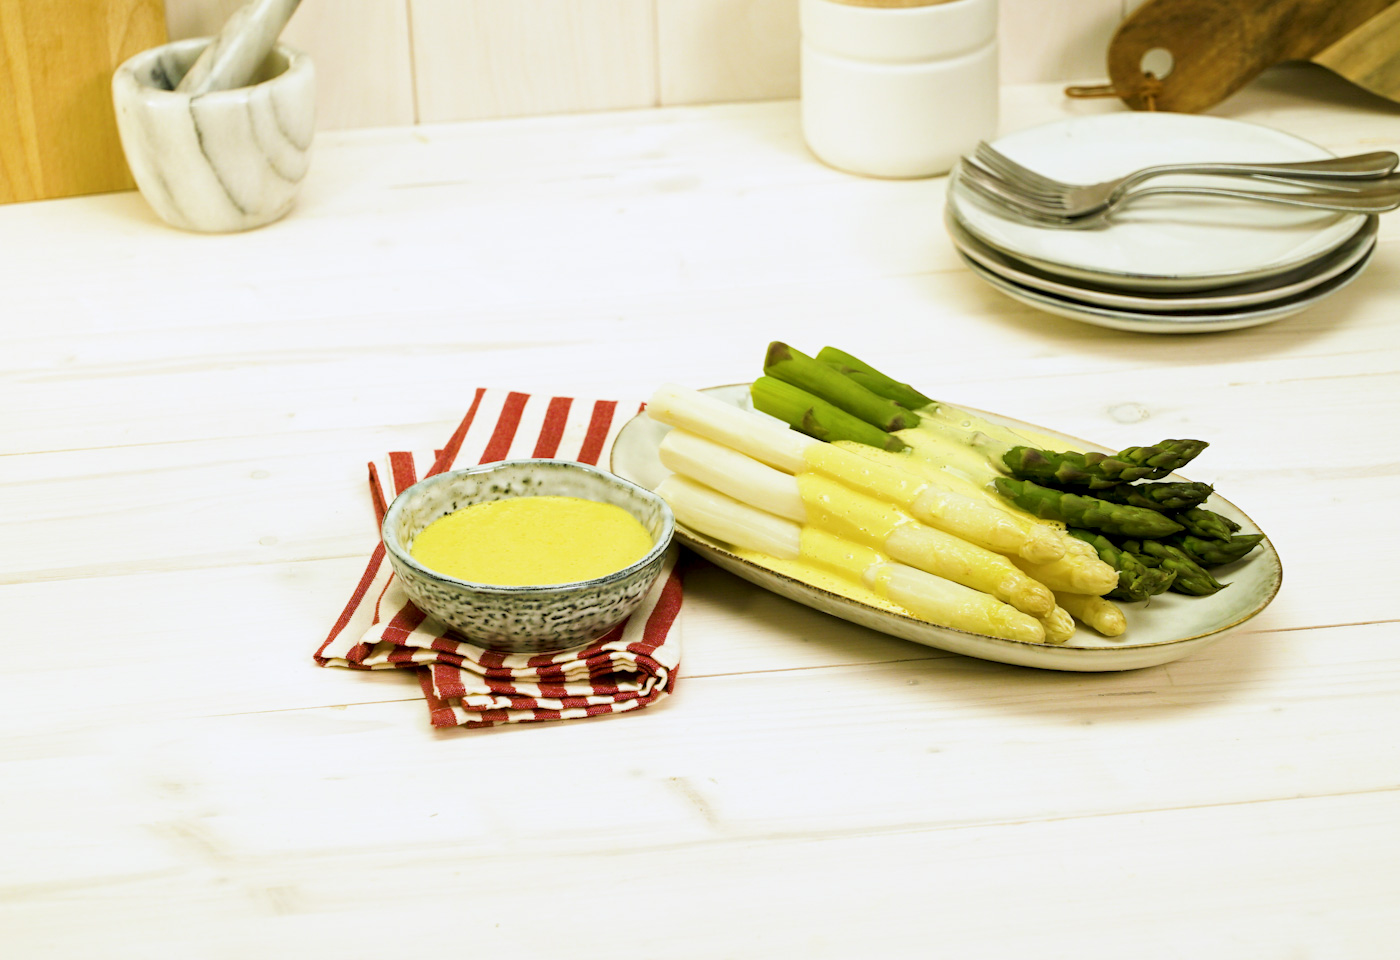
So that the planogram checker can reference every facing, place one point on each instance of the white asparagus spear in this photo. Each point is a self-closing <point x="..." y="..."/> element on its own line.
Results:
<point x="827" y="504"/>
<point x="1058" y="624"/>
<point x="729" y="521"/>
<point x="731" y="472"/>
<point x="1073" y="574"/>
<point x="926" y="596"/>
<point x="768" y="441"/>
<point x="1103" y="615"/>
<point x="951" y="604"/>
<point x="758" y="436"/>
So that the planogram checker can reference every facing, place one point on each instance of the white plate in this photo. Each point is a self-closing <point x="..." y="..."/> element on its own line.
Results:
<point x="1164" y="629"/>
<point x="1162" y="242"/>
<point x="1232" y="297"/>
<point x="1149" y="322"/>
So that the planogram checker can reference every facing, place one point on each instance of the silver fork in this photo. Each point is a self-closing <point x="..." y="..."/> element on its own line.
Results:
<point x="1356" y="173"/>
<point x="1008" y="200"/>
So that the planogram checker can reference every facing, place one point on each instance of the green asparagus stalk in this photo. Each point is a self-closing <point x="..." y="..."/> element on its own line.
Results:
<point x="1176" y="495"/>
<point x="1133" y="548"/>
<point x="1206" y="524"/>
<point x="1191" y="578"/>
<point x="784" y="363"/>
<point x="816" y="417"/>
<point x="1080" y="511"/>
<point x="1136" y="580"/>
<point x="1215" y="553"/>
<point x="873" y="380"/>
<point x="1099" y="470"/>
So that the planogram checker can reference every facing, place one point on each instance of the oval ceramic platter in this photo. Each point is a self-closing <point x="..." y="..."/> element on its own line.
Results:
<point x="1166" y="628"/>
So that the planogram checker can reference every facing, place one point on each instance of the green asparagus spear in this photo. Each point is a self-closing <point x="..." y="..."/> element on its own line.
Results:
<point x="1164" y="497"/>
<point x="1214" y="553"/>
<point x="1206" y="524"/>
<point x="791" y="366"/>
<point x="1080" y="511"/>
<point x="815" y="417"/>
<point x="874" y="380"/>
<point x="1136" y="580"/>
<point x="1100" y="470"/>
<point x="1134" y="548"/>
<point x="1191" y="577"/>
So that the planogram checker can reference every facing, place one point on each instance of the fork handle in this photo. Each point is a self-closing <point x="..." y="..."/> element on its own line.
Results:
<point x="1362" y="201"/>
<point x="1359" y="167"/>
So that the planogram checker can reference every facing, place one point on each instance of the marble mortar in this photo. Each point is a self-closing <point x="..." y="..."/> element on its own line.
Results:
<point x="221" y="161"/>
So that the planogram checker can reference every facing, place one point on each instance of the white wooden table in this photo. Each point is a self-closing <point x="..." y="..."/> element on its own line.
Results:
<point x="183" y="513"/>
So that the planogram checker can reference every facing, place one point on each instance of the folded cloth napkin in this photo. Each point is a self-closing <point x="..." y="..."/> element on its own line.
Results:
<point x="633" y="665"/>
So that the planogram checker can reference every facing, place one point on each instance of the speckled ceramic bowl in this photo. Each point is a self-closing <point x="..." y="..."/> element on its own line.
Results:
<point x="528" y="619"/>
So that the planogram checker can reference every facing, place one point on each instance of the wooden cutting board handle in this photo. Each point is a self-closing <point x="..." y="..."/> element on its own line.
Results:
<point x="58" y="130"/>
<point x="1217" y="46"/>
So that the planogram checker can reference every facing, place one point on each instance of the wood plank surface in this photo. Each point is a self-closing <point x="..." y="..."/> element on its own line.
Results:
<point x="183" y="509"/>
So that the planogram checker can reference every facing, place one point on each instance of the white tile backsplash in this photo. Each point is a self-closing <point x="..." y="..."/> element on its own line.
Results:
<point x="386" y="62"/>
<point x="1056" y="39"/>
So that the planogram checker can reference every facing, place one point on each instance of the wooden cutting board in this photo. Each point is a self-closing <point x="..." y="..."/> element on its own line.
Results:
<point x="1218" y="46"/>
<point x="58" y="132"/>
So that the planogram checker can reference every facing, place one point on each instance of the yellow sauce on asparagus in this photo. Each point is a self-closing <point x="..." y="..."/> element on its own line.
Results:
<point x="830" y="566"/>
<point x="532" y="541"/>
<point x="835" y="544"/>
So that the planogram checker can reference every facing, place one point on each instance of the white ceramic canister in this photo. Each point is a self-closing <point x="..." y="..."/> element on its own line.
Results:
<point x="898" y="88"/>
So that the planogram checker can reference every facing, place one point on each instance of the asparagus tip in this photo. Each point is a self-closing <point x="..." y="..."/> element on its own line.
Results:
<point x="777" y="353"/>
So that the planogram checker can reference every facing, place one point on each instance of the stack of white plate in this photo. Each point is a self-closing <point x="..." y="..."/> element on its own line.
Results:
<point x="1171" y="264"/>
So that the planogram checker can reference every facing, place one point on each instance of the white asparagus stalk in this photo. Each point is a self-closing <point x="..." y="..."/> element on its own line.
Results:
<point x="951" y="604"/>
<point x="984" y="524"/>
<point x="1072" y="574"/>
<point x="829" y="505"/>
<point x="924" y="595"/>
<point x="1058" y="625"/>
<point x="729" y="521"/>
<point x="758" y="436"/>
<point x="732" y="473"/>
<point x="1076" y="547"/>
<point x="855" y="516"/>
<point x="1096" y="612"/>
<point x="972" y="519"/>
<point x="768" y="441"/>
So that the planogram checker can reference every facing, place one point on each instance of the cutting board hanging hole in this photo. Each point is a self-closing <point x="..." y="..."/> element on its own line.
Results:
<point x="1157" y="63"/>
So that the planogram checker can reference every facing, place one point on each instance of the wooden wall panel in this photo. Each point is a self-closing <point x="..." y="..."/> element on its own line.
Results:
<point x="364" y="72"/>
<point x="712" y="51"/>
<point x="58" y="131"/>
<point x="508" y="58"/>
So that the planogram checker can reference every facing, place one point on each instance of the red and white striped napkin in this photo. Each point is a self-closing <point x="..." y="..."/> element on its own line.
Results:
<point x="632" y="666"/>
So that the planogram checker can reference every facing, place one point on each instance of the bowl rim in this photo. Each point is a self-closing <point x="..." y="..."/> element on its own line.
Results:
<point x="400" y="555"/>
<point x="128" y="71"/>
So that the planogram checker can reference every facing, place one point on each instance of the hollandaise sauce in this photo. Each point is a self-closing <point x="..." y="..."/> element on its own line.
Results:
<point x="829" y="564"/>
<point x="525" y="541"/>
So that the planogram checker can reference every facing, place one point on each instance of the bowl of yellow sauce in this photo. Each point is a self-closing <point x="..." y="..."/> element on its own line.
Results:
<point x="527" y="556"/>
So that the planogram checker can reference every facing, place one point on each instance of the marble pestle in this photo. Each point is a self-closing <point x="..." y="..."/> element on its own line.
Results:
<point x="225" y="148"/>
<point x="231" y="60"/>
